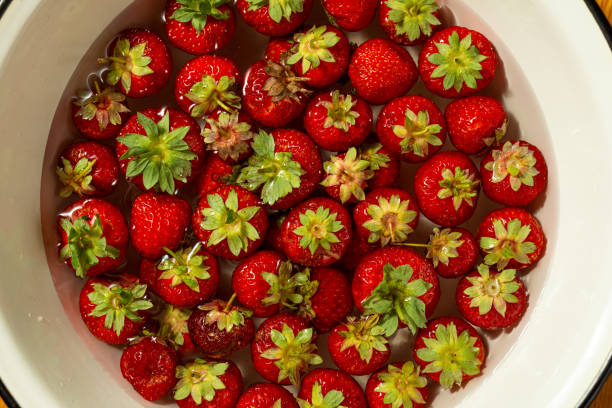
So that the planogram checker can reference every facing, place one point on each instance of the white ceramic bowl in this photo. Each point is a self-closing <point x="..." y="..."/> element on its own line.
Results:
<point x="554" y="82"/>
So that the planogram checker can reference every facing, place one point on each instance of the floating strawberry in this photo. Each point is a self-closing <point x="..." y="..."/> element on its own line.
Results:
<point x="94" y="237"/>
<point x="514" y="175"/>
<point x="325" y="387"/>
<point x="228" y="135"/>
<point x="173" y="327"/>
<point x="381" y="70"/>
<point x="199" y="26"/>
<point x="409" y="22"/>
<point x="511" y="238"/>
<point x="274" y="18"/>
<point x="266" y="395"/>
<point x="283" y="349"/>
<point x="160" y="149"/>
<point x="447" y="187"/>
<point x="99" y="114"/>
<point x="207" y="383"/>
<point x="457" y="62"/>
<point x="317" y="232"/>
<point x="277" y="48"/>
<point x="139" y="62"/>
<point x="231" y="222"/>
<point x="449" y="351"/>
<point x="411" y="127"/>
<point x="475" y="123"/>
<point x="274" y="240"/>
<point x="399" y="284"/>
<point x="399" y="385"/>
<point x="350" y="15"/>
<point x="453" y="251"/>
<point x="337" y="121"/>
<point x="347" y="176"/>
<point x="286" y="165"/>
<point x="216" y="173"/>
<point x="383" y="164"/>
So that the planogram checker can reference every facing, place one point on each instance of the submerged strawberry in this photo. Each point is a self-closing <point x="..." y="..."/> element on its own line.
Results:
<point x="350" y="15"/>
<point x="409" y="22"/>
<point x="216" y="173"/>
<point x="173" y="328"/>
<point x="325" y="387"/>
<point x="228" y="135"/>
<point x="266" y="395"/>
<point x="453" y="251"/>
<point x="277" y="48"/>
<point x="208" y="383"/>
<point x="274" y="18"/>
<point x="99" y="114"/>
<point x="399" y="385"/>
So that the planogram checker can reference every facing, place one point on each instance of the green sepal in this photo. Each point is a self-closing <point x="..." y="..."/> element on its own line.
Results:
<point x="227" y="136"/>
<point x="200" y="380"/>
<point x="350" y="173"/>
<point x="225" y="315"/>
<point x="173" y="324"/>
<point x="413" y="17"/>
<point x="371" y="154"/>
<point x="278" y="9"/>
<point x="515" y="162"/>
<point x="400" y="386"/>
<point x="509" y="243"/>
<point x="365" y="335"/>
<point x="105" y="106"/>
<point x="197" y="11"/>
<point x="461" y="186"/>
<point x="442" y="246"/>
<point x="332" y="399"/>
<point x="125" y="62"/>
<point x="209" y="94"/>
<point x="340" y="113"/>
<point x="75" y="179"/>
<point x="285" y="286"/>
<point x="312" y="47"/>
<point x="490" y="290"/>
<point x="417" y="133"/>
<point x="390" y="220"/>
<point x="318" y="229"/>
<point x="184" y="266"/>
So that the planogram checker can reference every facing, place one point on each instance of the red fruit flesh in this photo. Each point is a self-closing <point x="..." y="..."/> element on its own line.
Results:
<point x="351" y="15"/>
<point x="388" y="174"/>
<point x="332" y="301"/>
<point x="225" y="397"/>
<point x="92" y="128"/>
<point x="261" y="21"/>
<point x="265" y="395"/>
<point x="105" y="171"/>
<point x="467" y="253"/>
<point x="390" y="27"/>
<point x="330" y="380"/>
<point x="213" y="174"/>
<point x="349" y="359"/>
<point x="277" y="48"/>
<point x="358" y="249"/>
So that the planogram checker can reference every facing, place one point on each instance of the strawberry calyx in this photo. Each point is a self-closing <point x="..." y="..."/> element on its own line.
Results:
<point x="197" y="11"/>
<point x="284" y="286"/>
<point x="227" y="136"/>
<point x="443" y="246"/>
<point x="413" y="18"/>
<point x="461" y="186"/>
<point x="396" y="298"/>
<point x="225" y="314"/>
<point x="312" y="47"/>
<point x="331" y="399"/>
<point x="184" y="266"/>
<point x="377" y="160"/>
<point x="498" y="135"/>
<point x="390" y="220"/>
<point x="350" y="173"/>
<point x="514" y="161"/>
<point x="509" y="243"/>
<point x="75" y="178"/>
<point x="339" y="111"/>
<point x="278" y="9"/>
<point x="161" y="156"/>
<point x="492" y="290"/>
<point x="293" y="353"/>
<point x="283" y="83"/>
<point x="103" y="105"/>
<point x="451" y="355"/>
<point x="318" y="229"/>
<point x="401" y="385"/>
<point x="208" y="94"/>
<point x="200" y="380"/>
<point x="173" y="324"/>
<point x="307" y="290"/>
<point x="125" y="62"/>
<point x="417" y="133"/>
<point x="85" y="243"/>
<point x="458" y="62"/>
<point x="365" y="335"/>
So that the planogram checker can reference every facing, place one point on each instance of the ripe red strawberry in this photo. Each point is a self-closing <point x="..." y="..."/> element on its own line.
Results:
<point x="206" y="83"/>
<point x="409" y="22"/>
<point x="205" y="383"/>
<point x="347" y="176"/>
<point x="457" y="62"/>
<point x="230" y="222"/>
<point x="475" y="123"/>
<point x="358" y="248"/>
<point x="272" y="94"/>
<point x="274" y="240"/>
<point x="149" y="365"/>
<point x="411" y="127"/>
<point x="94" y="237"/>
<point x="386" y="216"/>
<point x="514" y="174"/>
<point x="114" y="310"/>
<point x="381" y="70"/>
<point x="283" y="349"/>
<point x="139" y="62"/>
<point x="325" y="387"/>
<point x="491" y="300"/>
<point x="317" y="232"/>
<point x="273" y="17"/>
<point x="397" y="385"/>
<point x="158" y="221"/>
<point x="449" y="351"/>
<point x="337" y="121"/>
<point x="511" y="238"/>
<point x="359" y="347"/>
<point x="99" y="114"/>
<point x="453" y="251"/>
<point x="286" y="165"/>
<point x="350" y="15"/>
<point x="229" y="135"/>
<point x="173" y="328"/>
<point x="88" y="169"/>
<point x="266" y="395"/>
<point x="383" y="164"/>
<point x="447" y="188"/>
<point x="199" y="26"/>
<point x="277" y="48"/>
<point x="398" y="284"/>
<point x="160" y="148"/>
<point x="216" y="173"/>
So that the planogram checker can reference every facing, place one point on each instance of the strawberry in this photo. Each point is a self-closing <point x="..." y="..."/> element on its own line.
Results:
<point x="386" y="216"/>
<point x="206" y="83"/>
<point x="337" y="121"/>
<point x="399" y="385"/>
<point x="231" y="222"/>
<point x="274" y="18"/>
<point x="511" y="238"/>
<point x="149" y="365"/>
<point x="381" y="70"/>
<point x="286" y="165"/>
<point x="185" y="277"/>
<point x="114" y="309"/>
<point x="205" y="383"/>
<point x="457" y="62"/>
<point x="491" y="300"/>
<point x="515" y="174"/>
<point x="173" y="328"/>
<point x="399" y="284"/>
<point x="158" y="221"/>
<point x="347" y="176"/>
<point x="274" y="240"/>
<point x="93" y="235"/>
<point x="358" y="248"/>
<point x="447" y="188"/>
<point x="215" y="174"/>
<point x="160" y="149"/>
<point x="283" y="349"/>
<point x="359" y="347"/>
<point x="228" y="135"/>
<point x="411" y="127"/>
<point x="383" y="164"/>
<point x="272" y="94"/>
<point x="320" y="54"/>
<point x="199" y="26"/>
<point x="449" y="351"/>
<point x="350" y="15"/>
<point x="139" y="62"/>
<point x="266" y="395"/>
<point x="325" y="387"/>
<point x="99" y="114"/>
<point x="88" y="169"/>
<point x="277" y="48"/>
<point x="475" y="123"/>
<point x="409" y="22"/>
<point x="453" y="251"/>
<point x="317" y="232"/>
